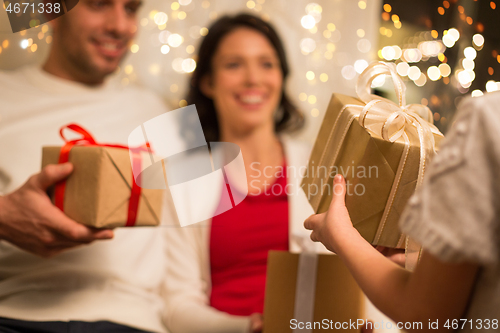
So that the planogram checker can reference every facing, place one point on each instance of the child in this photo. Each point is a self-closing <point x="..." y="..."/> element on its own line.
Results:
<point x="455" y="215"/>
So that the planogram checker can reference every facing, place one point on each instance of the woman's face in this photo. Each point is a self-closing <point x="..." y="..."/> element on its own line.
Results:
<point x="246" y="81"/>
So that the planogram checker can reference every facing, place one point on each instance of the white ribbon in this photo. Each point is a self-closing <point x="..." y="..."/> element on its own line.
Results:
<point x="305" y="290"/>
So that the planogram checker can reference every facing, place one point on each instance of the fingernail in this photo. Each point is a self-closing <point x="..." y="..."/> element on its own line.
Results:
<point x="338" y="178"/>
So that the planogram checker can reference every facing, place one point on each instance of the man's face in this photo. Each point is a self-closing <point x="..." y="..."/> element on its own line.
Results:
<point x="94" y="36"/>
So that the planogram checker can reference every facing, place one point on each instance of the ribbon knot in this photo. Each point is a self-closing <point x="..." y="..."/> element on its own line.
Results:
<point x="88" y="140"/>
<point x="393" y="121"/>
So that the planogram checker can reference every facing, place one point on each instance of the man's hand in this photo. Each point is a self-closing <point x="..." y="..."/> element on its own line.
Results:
<point x="326" y="227"/>
<point x="29" y="220"/>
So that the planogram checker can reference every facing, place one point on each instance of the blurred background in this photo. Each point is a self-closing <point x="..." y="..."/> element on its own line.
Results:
<point x="444" y="50"/>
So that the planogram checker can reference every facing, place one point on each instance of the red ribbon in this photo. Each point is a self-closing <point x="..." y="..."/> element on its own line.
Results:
<point x="88" y="140"/>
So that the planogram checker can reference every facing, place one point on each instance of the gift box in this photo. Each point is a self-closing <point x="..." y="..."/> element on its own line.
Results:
<point x="311" y="292"/>
<point x="101" y="191"/>
<point x="380" y="147"/>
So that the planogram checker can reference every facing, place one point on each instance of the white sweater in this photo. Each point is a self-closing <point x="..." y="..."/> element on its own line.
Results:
<point x="188" y="278"/>
<point x="117" y="280"/>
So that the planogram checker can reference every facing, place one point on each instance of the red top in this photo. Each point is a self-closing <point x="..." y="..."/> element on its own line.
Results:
<point x="240" y="240"/>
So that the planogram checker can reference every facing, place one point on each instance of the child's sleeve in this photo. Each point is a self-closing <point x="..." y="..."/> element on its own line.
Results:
<point x="455" y="214"/>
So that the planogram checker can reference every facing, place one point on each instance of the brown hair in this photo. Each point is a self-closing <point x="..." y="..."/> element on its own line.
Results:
<point x="290" y="118"/>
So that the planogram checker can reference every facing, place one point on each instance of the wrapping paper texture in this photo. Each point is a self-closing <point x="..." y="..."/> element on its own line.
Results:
<point x="337" y="297"/>
<point x="98" y="191"/>
<point x="369" y="165"/>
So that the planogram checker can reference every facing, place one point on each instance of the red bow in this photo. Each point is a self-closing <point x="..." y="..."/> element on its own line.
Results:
<point x="88" y="140"/>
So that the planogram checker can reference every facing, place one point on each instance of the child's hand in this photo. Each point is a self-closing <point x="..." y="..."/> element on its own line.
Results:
<point x="329" y="226"/>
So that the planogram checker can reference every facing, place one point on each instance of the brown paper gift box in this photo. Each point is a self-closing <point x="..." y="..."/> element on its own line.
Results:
<point x="337" y="297"/>
<point x="361" y="151"/>
<point x="98" y="191"/>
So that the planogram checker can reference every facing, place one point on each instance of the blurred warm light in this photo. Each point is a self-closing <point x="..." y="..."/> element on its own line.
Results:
<point x="175" y="6"/>
<point x="493" y="5"/>
<point x="394" y="18"/>
<point x="129" y="69"/>
<point x="431" y="48"/>
<point x="303" y="97"/>
<point x="434" y="34"/>
<point x="323" y="77"/>
<point x="441" y="10"/>
<point x="24" y="43"/>
<point x="468" y="64"/>
<point x="446" y="4"/>
<point x="250" y="4"/>
<point x="310" y="75"/>
<point x="362" y="4"/>
<point x="422" y="80"/>
<point x="433" y="73"/>
<point x="445" y="70"/>
<point x="348" y="72"/>
<point x="378" y="81"/>
<point x="492" y="86"/>
<point x="412" y="55"/>
<point x="388" y="53"/>
<point x="414" y="73"/>
<point x="160" y="18"/>
<point x="387" y="7"/>
<point x="314" y="112"/>
<point x="364" y="45"/>
<point x="307" y="22"/>
<point x="402" y="68"/>
<point x="188" y="65"/>
<point x="454" y="34"/>
<point x="360" y="33"/>
<point x="177" y="65"/>
<point x="307" y="45"/>
<point x="134" y="48"/>
<point x="165" y="49"/>
<point x="477" y="93"/>
<point x="360" y="65"/>
<point x="154" y="69"/>
<point x="448" y="41"/>
<point x="478" y="40"/>
<point x="175" y="40"/>
<point x="311" y="99"/>
<point x="331" y="27"/>
<point x="470" y="53"/>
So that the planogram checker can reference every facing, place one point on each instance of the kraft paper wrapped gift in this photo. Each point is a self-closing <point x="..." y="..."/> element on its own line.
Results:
<point x="98" y="191"/>
<point x="380" y="147"/>
<point x="310" y="288"/>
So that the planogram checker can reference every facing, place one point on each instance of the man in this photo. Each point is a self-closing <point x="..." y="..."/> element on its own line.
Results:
<point x="51" y="278"/>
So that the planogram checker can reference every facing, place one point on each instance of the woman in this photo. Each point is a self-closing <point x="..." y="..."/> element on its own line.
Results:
<point x="217" y="271"/>
<point x="455" y="216"/>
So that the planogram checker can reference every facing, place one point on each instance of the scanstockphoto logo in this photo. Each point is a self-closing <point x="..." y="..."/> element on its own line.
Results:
<point x="205" y="179"/>
<point x="19" y="15"/>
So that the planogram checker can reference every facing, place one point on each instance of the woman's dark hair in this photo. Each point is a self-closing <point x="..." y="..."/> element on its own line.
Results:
<point x="290" y="118"/>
